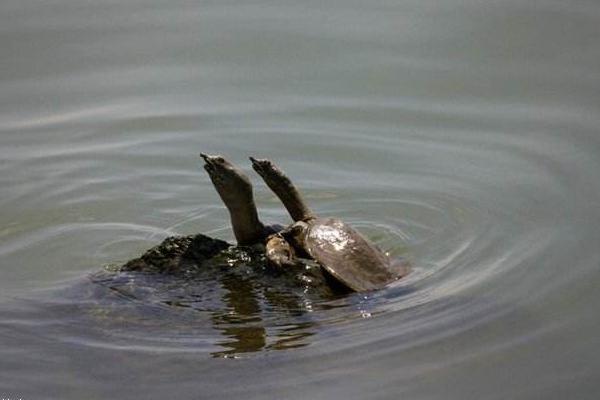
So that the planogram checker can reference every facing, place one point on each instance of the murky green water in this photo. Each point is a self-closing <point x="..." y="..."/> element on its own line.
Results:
<point x="463" y="135"/>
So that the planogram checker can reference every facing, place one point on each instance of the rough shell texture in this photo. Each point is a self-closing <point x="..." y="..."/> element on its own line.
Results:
<point x="348" y="256"/>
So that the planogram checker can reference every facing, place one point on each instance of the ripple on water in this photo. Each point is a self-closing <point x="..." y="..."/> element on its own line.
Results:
<point x="467" y="224"/>
<point x="458" y="234"/>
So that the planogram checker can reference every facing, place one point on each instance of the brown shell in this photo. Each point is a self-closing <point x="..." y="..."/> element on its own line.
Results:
<point x="347" y="255"/>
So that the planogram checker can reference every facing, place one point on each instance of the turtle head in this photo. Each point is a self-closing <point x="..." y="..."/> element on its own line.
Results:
<point x="232" y="184"/>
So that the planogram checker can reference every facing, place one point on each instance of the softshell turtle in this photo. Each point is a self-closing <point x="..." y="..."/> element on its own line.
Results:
<point x="204" y="257"/>
<point x="341" y="250"/>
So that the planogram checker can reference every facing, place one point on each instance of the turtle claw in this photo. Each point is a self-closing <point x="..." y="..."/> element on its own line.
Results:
<point x="215" y="166"/>
<point x="256" y="163"/>
<point x="259" y="161"/>
<point x="262" y="166"/>
<point x="208" y="166"/>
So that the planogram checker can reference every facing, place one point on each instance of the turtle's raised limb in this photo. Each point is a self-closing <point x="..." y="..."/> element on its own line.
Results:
<point x="235" y="190"/>
<point x="285" y="190"/>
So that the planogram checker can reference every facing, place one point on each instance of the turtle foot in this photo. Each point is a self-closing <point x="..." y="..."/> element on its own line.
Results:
<point x="262" y="166"/>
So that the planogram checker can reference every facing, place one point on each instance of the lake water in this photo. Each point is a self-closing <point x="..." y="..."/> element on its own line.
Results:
<point x="462" y="135"/>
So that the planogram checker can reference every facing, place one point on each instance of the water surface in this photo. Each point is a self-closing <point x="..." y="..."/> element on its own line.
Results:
<point x="462" y="135"/>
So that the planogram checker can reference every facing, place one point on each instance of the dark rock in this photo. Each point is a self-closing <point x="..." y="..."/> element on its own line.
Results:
<point x="177" y="252"/>
<point x="202" y="257"/>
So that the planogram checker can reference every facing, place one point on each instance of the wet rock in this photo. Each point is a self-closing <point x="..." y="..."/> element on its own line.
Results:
<point x="175" y="253"/>
<point x="197" y="255"/>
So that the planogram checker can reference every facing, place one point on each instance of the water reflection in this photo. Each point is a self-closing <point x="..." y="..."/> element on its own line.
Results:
<point x="251" y="307"/>
<point x="240" y="322"/>
<point x="243" y="326"/>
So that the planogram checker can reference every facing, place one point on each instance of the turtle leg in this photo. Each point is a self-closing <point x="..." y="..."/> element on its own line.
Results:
<point x="283" y="187"/>
<point x="280" y="253"/>
<point x="235" y="189"/>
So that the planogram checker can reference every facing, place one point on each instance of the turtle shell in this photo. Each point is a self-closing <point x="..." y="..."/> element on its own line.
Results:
<point x="347" y="255"/>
